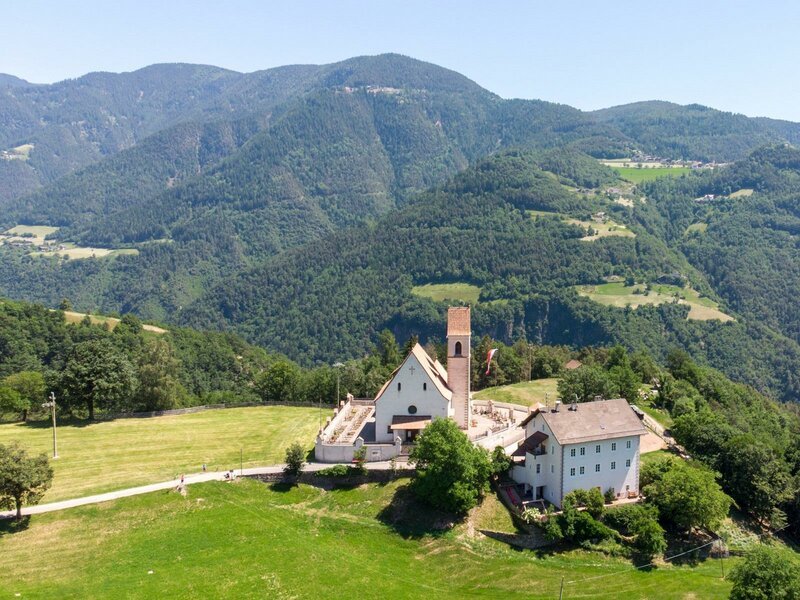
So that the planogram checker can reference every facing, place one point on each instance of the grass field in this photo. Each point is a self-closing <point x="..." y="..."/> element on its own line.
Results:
<point x="601" y="230"/>
<point x="742" y="193"/>
<point x="112" y="455"/>
<point x="698" y="227"/>
<point x="636" y="175"/>
<point x="464" y="292"/>
<point x="250" y="540"/>
<point x="39" y="232"/>
<point x="620" y="296"/>
<point x="78" y="252"/>
<point x="76" y="317"/>
<point x="607" y="229"/>
<point x="525" y="393"/>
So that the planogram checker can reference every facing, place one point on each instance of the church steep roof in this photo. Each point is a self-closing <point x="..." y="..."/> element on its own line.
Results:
<point x="433" y="369"/>
<point x="458" y="322"/>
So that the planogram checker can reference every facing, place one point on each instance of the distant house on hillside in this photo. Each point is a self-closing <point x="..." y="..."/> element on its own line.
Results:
<point x="572" y="365"/>
<point x="583" y="446"/>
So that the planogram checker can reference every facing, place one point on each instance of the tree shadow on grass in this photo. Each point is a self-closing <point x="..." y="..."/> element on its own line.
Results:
<point x="413" y="519"/>
<point x="62" y="422"/>
<point x="12" y="525"/>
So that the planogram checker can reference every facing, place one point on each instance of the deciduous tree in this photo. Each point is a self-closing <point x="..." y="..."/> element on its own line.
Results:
<point x="23" y="479"/>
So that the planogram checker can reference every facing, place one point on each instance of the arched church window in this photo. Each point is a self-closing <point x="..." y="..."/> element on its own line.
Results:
<point x="398" y="386"/>
<point x="458" y="349"/>
<point x="424" y="385"/>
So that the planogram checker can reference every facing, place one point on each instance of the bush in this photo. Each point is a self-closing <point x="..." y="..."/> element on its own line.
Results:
<point x="452" y="473"/>
<point x="501" y="462"/>
<point x="766" y="573"/>
<point x="334" y="471"/>
<point x="295" y="459"/>
<point x="649" y="537"/>
<point x="609" y="496"/>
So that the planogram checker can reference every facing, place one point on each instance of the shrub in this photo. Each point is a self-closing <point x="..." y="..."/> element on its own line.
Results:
<point x="766" y="573"/>
<point x="334" y="471"/>
<point x="452" y="473"/>
<point x="501" y="462"/>
<point x="609" y="496"/>
<point x="295" y="459"/>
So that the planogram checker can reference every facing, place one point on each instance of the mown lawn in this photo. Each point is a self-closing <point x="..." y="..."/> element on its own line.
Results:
<point x="111" y="455"/>
<point x="525" y="393"/>
<point x="248" y="540"/>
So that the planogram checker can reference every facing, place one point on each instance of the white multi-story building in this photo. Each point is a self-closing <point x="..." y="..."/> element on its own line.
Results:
<point x="581" y="446"/>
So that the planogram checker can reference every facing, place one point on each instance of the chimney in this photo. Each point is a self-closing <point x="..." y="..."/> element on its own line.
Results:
<point x="558" y="405"/>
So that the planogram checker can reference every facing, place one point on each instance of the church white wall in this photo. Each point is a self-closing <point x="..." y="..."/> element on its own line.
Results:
<point x="411" y="378"/>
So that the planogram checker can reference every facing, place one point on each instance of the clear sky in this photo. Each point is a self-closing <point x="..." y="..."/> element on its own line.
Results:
<point x="732" y="55"/>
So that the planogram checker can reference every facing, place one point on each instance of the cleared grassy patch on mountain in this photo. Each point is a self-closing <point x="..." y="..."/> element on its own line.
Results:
<point x="248" y="539"/>
<point x="526" y="393"/>
<point x="637" y="175"/>
<point x="620" y="296"/>
<point x="111" y="455"/>
<point x="439" y="292"/>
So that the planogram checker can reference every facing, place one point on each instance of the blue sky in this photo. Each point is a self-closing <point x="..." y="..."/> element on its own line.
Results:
<point x="737" y="56"/>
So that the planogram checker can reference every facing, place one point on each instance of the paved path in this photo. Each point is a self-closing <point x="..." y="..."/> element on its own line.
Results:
<point x="173" y="483"/>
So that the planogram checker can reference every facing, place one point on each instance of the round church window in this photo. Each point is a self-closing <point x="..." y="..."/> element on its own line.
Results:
<point x="412" y="410"/>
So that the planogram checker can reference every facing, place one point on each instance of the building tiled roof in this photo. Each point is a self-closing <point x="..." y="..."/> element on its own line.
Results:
<point x="458" y="321"/>
<point x="433" y="368"/>
<point x="530" y="443"/>
<point x="600" y="420"/>
<point x="573" y="364"/>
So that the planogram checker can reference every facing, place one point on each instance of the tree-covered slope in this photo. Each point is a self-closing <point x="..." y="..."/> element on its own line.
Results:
<point x="329" y="299"/>
<point x="695" y="131"/>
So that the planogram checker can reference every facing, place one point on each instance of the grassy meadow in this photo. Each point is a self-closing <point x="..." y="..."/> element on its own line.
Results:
<point x="112" y="322"/>
<point x="637" y="175"/>
<point x="525" y="393"/>
<point x="248" y="539"/>
<point x="439" y="292"/>
<point x="618" y="295"/>
<point x="111" y="455"/>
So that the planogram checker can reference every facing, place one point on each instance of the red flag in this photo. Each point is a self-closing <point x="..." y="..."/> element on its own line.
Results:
<point x="489" y="358"/>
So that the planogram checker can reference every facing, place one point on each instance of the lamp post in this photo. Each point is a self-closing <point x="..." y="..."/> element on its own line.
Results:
<point x="52" y="406"/>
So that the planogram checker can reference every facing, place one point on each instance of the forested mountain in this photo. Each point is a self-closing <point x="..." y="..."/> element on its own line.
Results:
<point x="328" y="300"/>
<point x="695" y="131"/>
<point x="7" y="80"/>
<point x="301" y="205"/>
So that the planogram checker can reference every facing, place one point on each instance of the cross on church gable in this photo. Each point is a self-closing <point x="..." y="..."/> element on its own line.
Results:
<point x="411" y="369"/>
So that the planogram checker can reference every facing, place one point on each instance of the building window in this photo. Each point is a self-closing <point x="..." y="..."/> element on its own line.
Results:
<point x="597" y="468"/>
<point x="572" y="452"/>
<point x="552" y="449"/>
<point x="424" y="386"/>
<point x="552" y="469"/>
<point x="582" y="470"/>
<point x="399" y="385"/>
<point x="613" y="445"/>
<point x="628" y="462"/>
<point x="572" y="472"/>
<point x="583" y="451"/>
<point x="628" y="444"/>
<point x="613" y="465"/>
<point x="538" y="468"/>
<point x="412" y="410"/>
<point x="388" y="429"/>
<point x="597" y="449"/>
<point x="458" y="349"/>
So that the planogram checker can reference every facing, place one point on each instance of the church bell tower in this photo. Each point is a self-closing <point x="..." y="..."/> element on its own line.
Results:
<point x="459" y="332"/>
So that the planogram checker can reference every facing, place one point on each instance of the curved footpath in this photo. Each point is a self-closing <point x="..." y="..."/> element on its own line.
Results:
<point x="173" y="483"/>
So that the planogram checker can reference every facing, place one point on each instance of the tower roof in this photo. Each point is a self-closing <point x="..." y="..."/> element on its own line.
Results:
<point x="458" y="321"/>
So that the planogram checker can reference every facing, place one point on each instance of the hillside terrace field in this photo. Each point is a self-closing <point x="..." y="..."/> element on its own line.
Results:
<point x="111" y="322"/>
<point x="618" y="295"/>
<point x="600" y="229"/>
<point x="250" y="539"/>
<point x="465" y="292"/>
<point x="111" y="455"/>
<point x="637" y="175"/>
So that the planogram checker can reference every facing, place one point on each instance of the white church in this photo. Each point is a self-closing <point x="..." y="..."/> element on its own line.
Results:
<point x="555" y="449"/>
